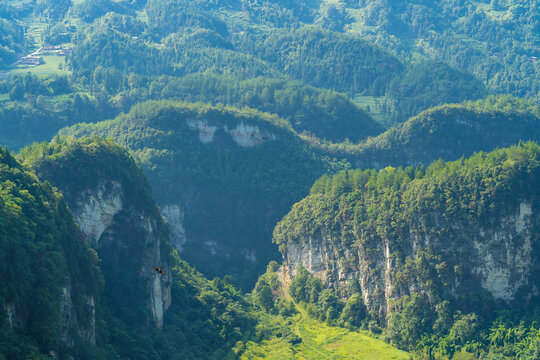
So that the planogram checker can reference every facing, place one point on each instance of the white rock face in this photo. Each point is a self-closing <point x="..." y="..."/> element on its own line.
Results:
<point x="206" y="132"/>
<point x="68" y="317"/>
<point x="249" y="135"/>
<point x="159" y="286"/>
<point x="505" y="258"/>
<point x="243" y="134"/>
<point x="501" y="257"/>
<point x="71" y="325"/>
<point x="11" y="314"/>
<point x="95" y="211"/>
<point x="157" y="301"/>
<point x="212" y="247"/>
<point x="175" y="219"/>
<point x="250" y="255"/>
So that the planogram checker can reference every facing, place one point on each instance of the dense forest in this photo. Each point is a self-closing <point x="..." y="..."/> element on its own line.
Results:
<point x="147" y="146"/>
<point x="428" y="219"/>
<point x="447" y="132"/>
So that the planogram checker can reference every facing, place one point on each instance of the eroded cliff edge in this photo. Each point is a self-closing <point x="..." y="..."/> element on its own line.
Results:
<point x="111" y="201"/>
<point x="457" y="231"/>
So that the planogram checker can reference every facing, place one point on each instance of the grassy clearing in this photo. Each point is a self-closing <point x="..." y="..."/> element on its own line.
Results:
<point x="375" y="106"/>
<point x="319" y="341"/>
<point x="51" y="67"/>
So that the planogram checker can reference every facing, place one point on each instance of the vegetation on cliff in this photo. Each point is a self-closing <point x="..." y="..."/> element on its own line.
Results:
<point x="359" y="210"/>
<point x="232" y="186"/>
<point x="43" y="256"/>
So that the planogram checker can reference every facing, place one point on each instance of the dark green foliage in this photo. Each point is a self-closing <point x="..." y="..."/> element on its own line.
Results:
<point x="324" y="113"/>
<point x="354" y="208"/>
<point x="205" y="317"/>
<point x="432" y="83"/>
<point x="91" y="161"/>
<point x="354" y="312"/>
<point x="89" y="10"/>
<point x="42" y="106"/>
<point x="411" y="317"/>
<point x="448" y="132"/>
<point x="495" y="42"/>
<point x="305" y="287"/>
<point x="53" y="9"/>
<point x="11" y="41"/>
<point x="42" y="252"/>
<point x="326" y="59"/>
<point x="166" y="16"/>
<point x="231" y="195"/>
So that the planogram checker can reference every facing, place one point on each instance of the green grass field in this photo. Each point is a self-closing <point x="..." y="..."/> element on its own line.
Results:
<point x="50" y="67"/>
<point x="319" y="341"/>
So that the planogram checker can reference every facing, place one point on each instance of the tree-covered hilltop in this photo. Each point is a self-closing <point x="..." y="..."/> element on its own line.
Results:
<point x="497" y="40"/>
<point x="447" y="132"/>
<point x="309" y="54"/>
<point x="222" y="177"/>
<point x="50" y="278"/>
<point x="445" y="257"/>
<point x="325" y="59"/>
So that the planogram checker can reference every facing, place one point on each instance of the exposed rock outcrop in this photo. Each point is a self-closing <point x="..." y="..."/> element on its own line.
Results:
<point x="113" y="226"/>
<point x="500" y="258"/>
<point x="113" y="205"/>
<point x="442" y="235"/>
<point x="243" y="134"/>
<point x="175" y="220"/>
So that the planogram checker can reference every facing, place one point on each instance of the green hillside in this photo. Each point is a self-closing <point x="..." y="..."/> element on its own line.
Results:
<point x="404" y="235"/>
<point x="206" y="319"/>
<point x="43" y="257"/>
<point x="447" y="132"/>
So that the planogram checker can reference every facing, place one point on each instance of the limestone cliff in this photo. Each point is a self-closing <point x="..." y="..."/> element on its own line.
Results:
<point x="454" y="231"/>
<point x="223" y="177"/>
<point x="111" y="224"/>
<point x="112" y="203"/>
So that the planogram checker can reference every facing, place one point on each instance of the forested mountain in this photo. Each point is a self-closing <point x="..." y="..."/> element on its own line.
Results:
<point x="223" y="177"/>
<point x="497" y="40"/>
<point x="444" y="257"/>
<point x="125" y="236"/>
<point x="86" y="295"/>
<point x="50" y="279"/>
<point x="233" y="109"/>
<point x="447" y="132"/>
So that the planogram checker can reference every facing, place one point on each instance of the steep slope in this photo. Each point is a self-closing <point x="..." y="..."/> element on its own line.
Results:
<point x="50" y="280"/>
<point x="463" y="233"/>
<point x="112" y="203"/>
<point x="142" y="314"/>
<point x="222" y="177"/>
